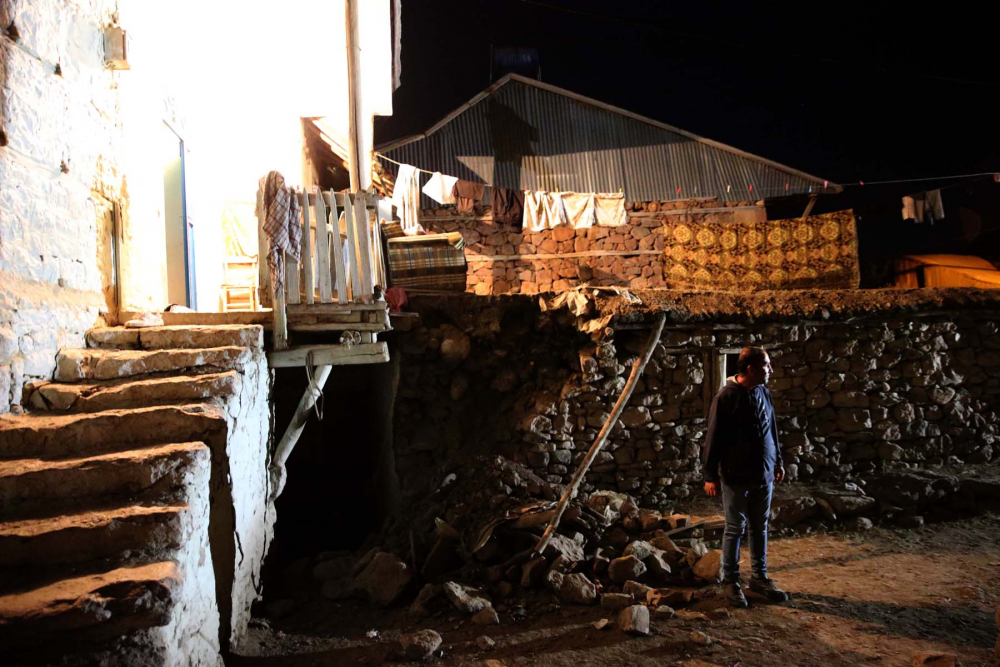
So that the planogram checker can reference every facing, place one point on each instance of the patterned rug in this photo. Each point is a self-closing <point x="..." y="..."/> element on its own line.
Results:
<point x="746" y="253"/>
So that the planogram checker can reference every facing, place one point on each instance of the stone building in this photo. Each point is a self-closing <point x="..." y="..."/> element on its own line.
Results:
<point x="137" y="466"/>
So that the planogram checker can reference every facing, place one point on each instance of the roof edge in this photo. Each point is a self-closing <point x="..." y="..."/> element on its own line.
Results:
<point x="829" y="185"/>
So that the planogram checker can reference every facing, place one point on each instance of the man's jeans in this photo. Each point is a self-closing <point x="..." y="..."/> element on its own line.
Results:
<point x="743" y="505"/>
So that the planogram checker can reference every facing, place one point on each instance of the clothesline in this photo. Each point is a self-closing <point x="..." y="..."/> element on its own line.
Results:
<point x="751" y="189"/>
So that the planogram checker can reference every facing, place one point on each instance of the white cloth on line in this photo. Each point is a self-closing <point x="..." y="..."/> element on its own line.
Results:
<point x="610" y="209"/>
<point x="440" y="188"/>
<point x="543" y="210"/>
<point x="580" y="209"/>
<point x="406" y="198"/>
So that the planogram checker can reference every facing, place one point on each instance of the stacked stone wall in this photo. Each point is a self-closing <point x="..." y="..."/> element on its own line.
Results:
<point x="852" y="399"/>
<point x="58" y="115"/>
<point x="626" y="256"/>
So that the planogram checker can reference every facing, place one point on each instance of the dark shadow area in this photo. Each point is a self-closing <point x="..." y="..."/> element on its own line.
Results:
<point x="339" y="487"/>
<point x="935" y="622"/>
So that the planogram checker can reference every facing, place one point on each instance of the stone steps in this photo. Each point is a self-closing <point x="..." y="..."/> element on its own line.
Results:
<point x="176" y="337"/>
<point x="127" y="393"/>
<point x="100" y="364"/>
<point x="92" y="607"/>
<point x="42" y="435"/>
<point x="30" y="483"/>
<point x="90" y="535"/>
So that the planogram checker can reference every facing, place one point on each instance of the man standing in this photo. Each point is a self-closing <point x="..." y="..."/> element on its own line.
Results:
<point x="742" y="455"/>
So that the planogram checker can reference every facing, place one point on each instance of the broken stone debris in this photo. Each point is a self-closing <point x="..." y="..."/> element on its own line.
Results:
<point x="420" y="645"/>
<point x="485" y="643"/>
<point x="385" y="578"/>
<point x="932" y="659"/>
<point x="700" y="638"/>
<point x="634" y="620"/>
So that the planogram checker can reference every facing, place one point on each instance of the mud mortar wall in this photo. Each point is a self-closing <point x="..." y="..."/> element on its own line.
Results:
<point x="628" y="256"/>
<point x="879" y="394"/>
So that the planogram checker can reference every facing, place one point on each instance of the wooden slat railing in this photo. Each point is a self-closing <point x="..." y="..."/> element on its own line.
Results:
<point x="331" y="269"/>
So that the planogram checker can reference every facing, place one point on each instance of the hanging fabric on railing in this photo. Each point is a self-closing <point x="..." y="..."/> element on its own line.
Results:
<point x="406" y="198"/>
<point x="610" y="209"/>
<point x="281" y="225"/>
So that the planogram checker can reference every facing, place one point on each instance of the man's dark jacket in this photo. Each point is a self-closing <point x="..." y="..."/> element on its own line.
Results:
<point x="742" y="440"/>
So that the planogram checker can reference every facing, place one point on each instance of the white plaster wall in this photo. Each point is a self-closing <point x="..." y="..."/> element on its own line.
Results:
<point x="248" y="415"/>
<point x="49" y="281"/>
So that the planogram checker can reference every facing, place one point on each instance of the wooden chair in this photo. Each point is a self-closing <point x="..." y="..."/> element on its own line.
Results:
<point x="240" y="286"/>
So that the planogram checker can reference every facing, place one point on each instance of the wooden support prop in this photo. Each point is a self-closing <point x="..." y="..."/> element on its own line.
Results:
<point x="307" y="252"/>
<point x="294" y="431"/>
<point x="602" y="437"/>
<point x="323" y="251"/>
<point x="809" y="206"/>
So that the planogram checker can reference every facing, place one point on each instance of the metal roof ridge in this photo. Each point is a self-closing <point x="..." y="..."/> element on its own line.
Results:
<point x="607" y="107"/>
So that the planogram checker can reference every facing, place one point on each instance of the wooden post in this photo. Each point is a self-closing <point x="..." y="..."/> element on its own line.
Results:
<point x="351" y="31"/>
<point x="363" y="233"/>
<point x="602" y="437"/>
<point x="264" y="286"/>
<point x="350" y="221"/>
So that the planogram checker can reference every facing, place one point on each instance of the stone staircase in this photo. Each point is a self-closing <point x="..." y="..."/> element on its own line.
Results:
<point x="110" y="488"/>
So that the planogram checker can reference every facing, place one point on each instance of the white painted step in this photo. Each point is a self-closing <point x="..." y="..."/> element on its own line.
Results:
<point x="44" y="435"/>
<point x="177" y="337"/>
<point x="73" y="538"/>
<point x="91" y="607"/>
<point x="97" y="364"/>
<point x="30" y="482"/>
<point x="131" y="393"/>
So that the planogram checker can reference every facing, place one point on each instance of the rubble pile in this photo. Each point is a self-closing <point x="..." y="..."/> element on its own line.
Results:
<point x="476" y="555"/>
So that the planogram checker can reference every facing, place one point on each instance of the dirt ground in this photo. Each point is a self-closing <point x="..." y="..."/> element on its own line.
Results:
<point x="857" y="599"/>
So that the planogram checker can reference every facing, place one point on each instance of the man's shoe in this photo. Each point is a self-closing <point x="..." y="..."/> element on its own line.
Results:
<point x="734" y="594"/>
<point x="767" y="588"/>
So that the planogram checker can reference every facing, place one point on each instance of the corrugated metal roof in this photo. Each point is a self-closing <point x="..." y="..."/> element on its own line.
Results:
<point x="521" y="133"/>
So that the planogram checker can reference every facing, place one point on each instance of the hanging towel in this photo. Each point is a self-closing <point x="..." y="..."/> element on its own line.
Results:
<point x="406" y="198"/>
<point x="508" y="206"/>
<point x="441" y="188"/>
<point x="282" y="225"/>
<point x="933" y="206"/>
<point x="610" y="209"/>
<point x="467" y="194"/>
<point x="534" y="212"/>
<point x="555" y="209"/>
<point x="909" y="208"/>
<point x="580" y="209"/>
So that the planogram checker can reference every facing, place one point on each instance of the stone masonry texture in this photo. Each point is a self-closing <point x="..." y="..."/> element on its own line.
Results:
<point x="876" y="394"/>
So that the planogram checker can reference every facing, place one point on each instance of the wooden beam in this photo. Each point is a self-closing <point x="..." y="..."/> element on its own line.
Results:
<point x="264" y="286"/>
<point x="321" y="308"/>
<point x="338" y="257"/>
<point x="335" y="355"/>
<point x="353" y="256"/>
<point x="337" y="326"/>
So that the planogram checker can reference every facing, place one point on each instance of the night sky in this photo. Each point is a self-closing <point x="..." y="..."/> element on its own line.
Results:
<point x="842" y="91"/>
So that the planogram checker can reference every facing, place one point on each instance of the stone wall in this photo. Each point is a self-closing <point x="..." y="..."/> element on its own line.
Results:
<point x="880" y="393"/>
<point x="58" y="109"/>
<point x="630" y="255"/>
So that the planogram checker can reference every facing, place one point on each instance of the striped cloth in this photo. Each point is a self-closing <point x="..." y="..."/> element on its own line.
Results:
<point x="431" y="261"/>
<point x="282" y="225"/>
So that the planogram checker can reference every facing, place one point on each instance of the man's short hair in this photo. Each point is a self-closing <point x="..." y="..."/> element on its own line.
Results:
<point x="750" y="356"/>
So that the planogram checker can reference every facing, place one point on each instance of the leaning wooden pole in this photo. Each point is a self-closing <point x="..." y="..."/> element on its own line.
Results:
<point x="284" y="449"/>
<point x="602" y="437"/>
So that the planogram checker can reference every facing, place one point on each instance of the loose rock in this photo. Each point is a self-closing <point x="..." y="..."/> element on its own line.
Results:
<point x="627" y="567"/>
<point x="385" y="578"/>
<point x="931" y="659"/>
<point x="485" y="643"/>
<point x="420" y="645"/>
<point x="487" y="616"/>
<point x="700" y="638"/>
<point x="465" y="598"/>
<point x="634" y="620"/>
